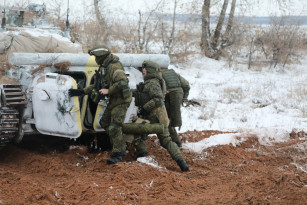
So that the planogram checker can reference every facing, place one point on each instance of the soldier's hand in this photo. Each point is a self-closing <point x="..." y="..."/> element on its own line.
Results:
<point x="143" y="112"/>
<point x="75" y="92"/>
<point x="104" y="91"/>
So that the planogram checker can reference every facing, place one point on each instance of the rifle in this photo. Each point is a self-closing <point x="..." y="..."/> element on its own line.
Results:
<point x="191" y="102"/>
<point x="99" y="85"/>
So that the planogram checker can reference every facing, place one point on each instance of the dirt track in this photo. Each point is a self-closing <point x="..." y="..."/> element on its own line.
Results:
<point x="46" y="172"/>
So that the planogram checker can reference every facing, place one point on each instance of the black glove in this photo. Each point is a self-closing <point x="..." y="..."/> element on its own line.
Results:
<point x="143" y="112"/>
<point x="75" y="92"/>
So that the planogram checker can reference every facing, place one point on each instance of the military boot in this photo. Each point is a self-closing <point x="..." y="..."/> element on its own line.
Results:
<point x="178" y="143"/>
<point x="183" y="165"/>
<point x="92" y="145"/>
<point x="116" y="157"/>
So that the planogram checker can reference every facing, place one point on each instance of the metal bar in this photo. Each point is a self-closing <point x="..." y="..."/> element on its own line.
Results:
<point x="12" y="89"/>
<point x="11" y="86"/>
<point x="14" y="93"/>
<point x="9" y="121"/>
<point x="17" y="103"/>
<point x="9" y="112"/>
<point x="16" y="98"/>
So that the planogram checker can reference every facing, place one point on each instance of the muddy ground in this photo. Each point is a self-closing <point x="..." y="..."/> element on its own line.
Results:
<point x="47" y="172"/>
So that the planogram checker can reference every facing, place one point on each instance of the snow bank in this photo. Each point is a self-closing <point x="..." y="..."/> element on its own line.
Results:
<point x="266" y="136"/>
<point x="221" y="139"/>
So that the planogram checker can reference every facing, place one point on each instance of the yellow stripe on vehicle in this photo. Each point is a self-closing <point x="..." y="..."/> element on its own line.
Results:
<point x="77" y="107"/>
<point x="96" y="119"/>
<point x="89" y="72"/>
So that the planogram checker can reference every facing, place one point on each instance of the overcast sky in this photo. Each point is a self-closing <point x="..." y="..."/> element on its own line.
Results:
<point x="78" y="8"/>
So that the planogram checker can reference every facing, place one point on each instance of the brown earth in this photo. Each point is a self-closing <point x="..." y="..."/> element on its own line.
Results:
<point x="43" y="171"/>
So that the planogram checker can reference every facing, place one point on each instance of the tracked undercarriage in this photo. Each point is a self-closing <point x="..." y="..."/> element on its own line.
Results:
<point x="13" y="99"/>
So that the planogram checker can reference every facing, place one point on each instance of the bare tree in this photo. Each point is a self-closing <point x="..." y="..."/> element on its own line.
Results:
<point x="212" y="45"/>
<point x="101" y="23"/>
<point x="168" y="40"/>
<point x="57" y="11"/>
<point x="146" y="27"/>
<point x="282" y="42"/>
<point x="19" y="4"/>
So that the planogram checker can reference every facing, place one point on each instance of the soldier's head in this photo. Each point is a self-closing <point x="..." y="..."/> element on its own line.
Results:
<point x="101" y="52"/>
<point x="150" y="67"/>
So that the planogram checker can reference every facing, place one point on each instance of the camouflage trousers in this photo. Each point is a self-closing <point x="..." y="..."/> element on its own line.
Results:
<point x="173" y="134"/>
<point x="112" y="121"/>
<point x="173" y="102"/>
<point x="159" y="115"/>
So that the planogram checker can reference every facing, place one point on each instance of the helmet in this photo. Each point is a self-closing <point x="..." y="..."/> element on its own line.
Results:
<point x="100" y="50"/>
<point x="151" y="67"/>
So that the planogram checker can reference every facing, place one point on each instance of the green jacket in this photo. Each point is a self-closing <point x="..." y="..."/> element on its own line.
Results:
<point x="175" y="82"/>
<point x="153" y="91"/>
<point x="115" y="80"/>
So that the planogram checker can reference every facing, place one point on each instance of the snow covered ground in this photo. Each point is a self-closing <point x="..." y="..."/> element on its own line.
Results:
<point x="268" y="104"/>
<point x="236" y="100"/>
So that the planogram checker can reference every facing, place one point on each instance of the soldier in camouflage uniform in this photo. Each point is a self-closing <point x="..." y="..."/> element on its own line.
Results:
<point x="177" y="92"/>
<point x="149" y="97"/>
<point x="115" y="85"/>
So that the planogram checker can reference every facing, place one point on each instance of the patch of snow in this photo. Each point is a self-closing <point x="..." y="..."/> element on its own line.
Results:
<point x="220" y="139"/>
<point x="72" y="147"/>
<point x="302" y="147"/>
<point x="267" y="136"/>
<point x="150" y="161"/>
<point x="150" y="184"/>
<point x="299" y="167"/>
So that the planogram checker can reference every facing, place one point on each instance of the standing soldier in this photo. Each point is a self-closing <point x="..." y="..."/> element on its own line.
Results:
<point x="115" y="85"/>
<point x="149" y="97"/>
<point x="177" y="92"/>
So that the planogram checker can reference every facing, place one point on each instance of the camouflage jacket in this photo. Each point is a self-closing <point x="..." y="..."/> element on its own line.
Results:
<point x="152" y="89"/>
<point x="115" y="80"/>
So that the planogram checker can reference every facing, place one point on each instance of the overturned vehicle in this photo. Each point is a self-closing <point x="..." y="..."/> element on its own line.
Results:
<point x="38" y="100"/>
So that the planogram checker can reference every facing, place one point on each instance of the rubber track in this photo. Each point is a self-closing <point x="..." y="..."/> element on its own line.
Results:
<point x="9" y="124"/>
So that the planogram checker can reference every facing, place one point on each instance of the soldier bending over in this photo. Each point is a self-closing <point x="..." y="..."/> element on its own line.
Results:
<point x="149" y="98"/>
